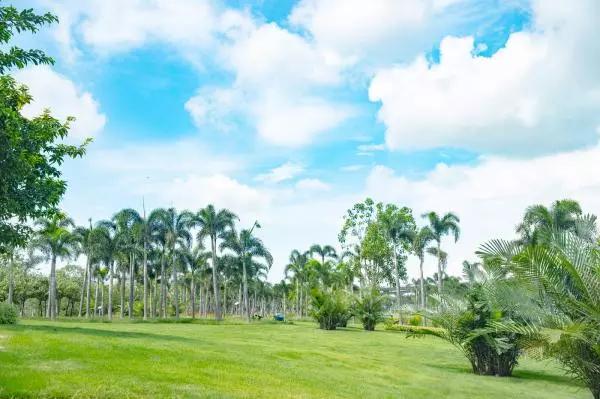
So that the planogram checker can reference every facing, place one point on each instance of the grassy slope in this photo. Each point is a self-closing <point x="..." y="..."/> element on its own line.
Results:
<point x="68" y="359"/>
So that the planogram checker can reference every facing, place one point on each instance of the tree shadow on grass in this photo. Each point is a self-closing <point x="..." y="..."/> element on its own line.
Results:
<point x="518" y="374"/>
<point x="100" y="332"/>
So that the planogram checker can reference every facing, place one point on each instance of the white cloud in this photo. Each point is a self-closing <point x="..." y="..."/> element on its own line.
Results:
<point x="371" y="147"/>
<point x="312" y="184"/>
<point x="52" y="90"/>
<point x="490" y="197"/>
<point x="352" y="168"/>
<point x="278" y="78"/>
<point x="541" y="92"/>
<point x="287" y="171"/>
<point x="356" y="29"/>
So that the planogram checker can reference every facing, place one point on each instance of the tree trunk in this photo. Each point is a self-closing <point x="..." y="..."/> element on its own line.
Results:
<point x="110" y="288"/>
<point x="102" y="299"/>
<point x="422" y="283"/>
<point x="88" y="292"/>
<point x="85" y="273"/>
<point x="439" y="282"/>
<point x="145" y="266"/>
<point x="175" y="287"/>
<point x="193" y="297"/>
<point x="52" y="290"/>
<point x="96" y="297"/>
<point x="215" y="274"/>
<point x="397" y="273"/>
<point x="297" y="299"/>
<point x="122" y="287"/>
<point x="245" y="283"/>
<point x="163" y="292"/>
<point x="131" y="283"/>
<point x="11" y="279"/>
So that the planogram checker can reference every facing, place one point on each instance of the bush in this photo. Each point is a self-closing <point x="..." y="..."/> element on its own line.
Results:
<point x="415" y="320"/>
<point x="370" y="309"/>
<point x="330" y="310"/>
<point x="8" y="314"/>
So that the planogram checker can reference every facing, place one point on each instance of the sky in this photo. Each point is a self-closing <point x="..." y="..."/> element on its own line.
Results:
<point x="289" y="112"/>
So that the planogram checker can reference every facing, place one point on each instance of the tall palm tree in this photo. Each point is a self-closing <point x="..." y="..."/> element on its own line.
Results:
<point x="214" y="224"/>
<point x="175" y="229"/>
<point x="323" y="252"/>
<point x="441" y="226"/>
<point x="106" y="240"/>
<point x="85" y="239"/>
<point x="56" y="241"/>
<point x="419" y="242"/>
<point x="128" y="233"/>
<point x="195" y="259"/>
<point x="562" y="215"/>
<point x="246" y="247"/>
<point x="297" y="266"/>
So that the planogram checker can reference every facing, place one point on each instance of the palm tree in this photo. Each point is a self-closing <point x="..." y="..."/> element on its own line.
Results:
<point x="195" y="260"/>
<point x="56" y="241"/>
<point x="562" y="215"/>
<point x="106" y="239"/>
<point x="174" y="228"/>
<point x="471" y="270"/>
<point x="439" y="228"/>
<point x="323" y="252"/>
<point x="214" y="224"/>
<point x="85" y="239"/>
<point x="128" y="232"/>
<point x="246" y="247"/>
<point x="297" y="265"/>
<point x="419" y="241"/>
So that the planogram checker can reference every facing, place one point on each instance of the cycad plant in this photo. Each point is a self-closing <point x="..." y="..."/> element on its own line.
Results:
<point x="565" y="270"/>
<point x="370" y="308"/>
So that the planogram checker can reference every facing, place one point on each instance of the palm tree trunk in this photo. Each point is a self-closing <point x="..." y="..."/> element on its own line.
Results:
<point x="163" y="294"/>
<point x="422" y="284"/>
<point x="131" y="284"/>
<point x="193" y="297"/>
<point x="88" y="292"/>
<point x="85" y="273"/>
<point x="245" y="282"/>
<point x="96" y="297"/>
<point x="110" y="288"/>
<point x="297" y="299"/>
<point x="102" y="298"/>
<point x="52" y="290"/>
<point x="215" y="274"/>
<point x="175" y="287"/>
<point x="439" y="282"/>
<point x="122" y="287"/>
<point x="145" y="266"/>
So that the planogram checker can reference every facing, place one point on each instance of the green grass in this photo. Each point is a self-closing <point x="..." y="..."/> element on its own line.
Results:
<point x="127" y="360"/>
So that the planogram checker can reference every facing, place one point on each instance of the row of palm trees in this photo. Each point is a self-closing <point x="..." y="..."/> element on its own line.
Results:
<point x="131" y="244"/>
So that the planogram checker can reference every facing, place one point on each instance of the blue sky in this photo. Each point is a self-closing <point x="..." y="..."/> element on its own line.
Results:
<point x="290" y="111"/>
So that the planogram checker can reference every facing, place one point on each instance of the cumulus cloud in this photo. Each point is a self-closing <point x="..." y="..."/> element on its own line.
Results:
<point x="490" y="197"/>
<point x="51" y="90"/>
<point x="287" y="171"/>
<point x="539" y="93"/>
<point x="312" y="184"/>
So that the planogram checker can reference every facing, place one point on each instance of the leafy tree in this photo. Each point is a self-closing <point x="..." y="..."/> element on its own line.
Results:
<point x="441" y="226"/>
<point x="214" y="224"/>
<point x="30" y="181"/>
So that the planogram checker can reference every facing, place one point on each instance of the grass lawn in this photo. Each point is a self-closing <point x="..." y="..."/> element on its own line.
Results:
<point x="127" y="360"/>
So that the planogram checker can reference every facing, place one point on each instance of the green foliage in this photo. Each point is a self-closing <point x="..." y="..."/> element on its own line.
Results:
<point x="14" y="21"/>
<point x="330" y="310"/>
<point x="370" y="309"/>
<point x="415" y="320"/>
<point x="8" y="313"/>
<point x="29" y="155"/>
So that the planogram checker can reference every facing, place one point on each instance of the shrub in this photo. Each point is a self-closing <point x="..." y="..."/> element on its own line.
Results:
<point x="415" y="320"/>
<point x="8" y="314"/>
<point x="330" y="310"/>
<point x="370" y="309"/>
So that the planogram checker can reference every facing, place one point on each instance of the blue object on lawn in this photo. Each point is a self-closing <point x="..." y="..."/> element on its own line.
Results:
<point x="279" y="317"/>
